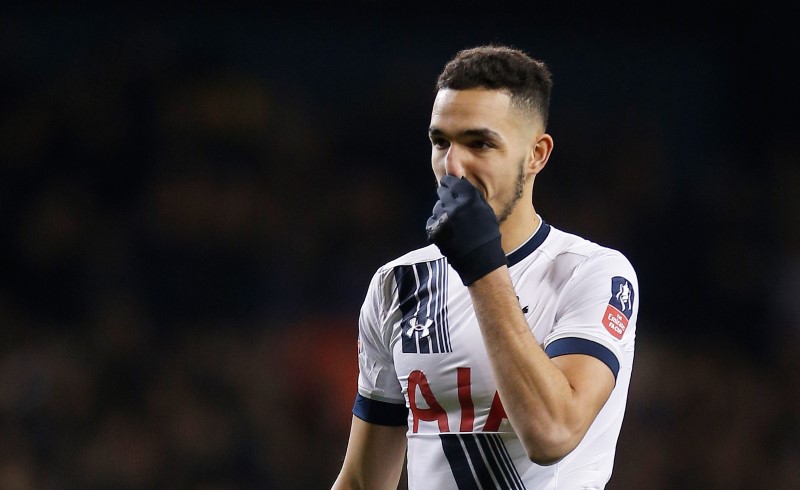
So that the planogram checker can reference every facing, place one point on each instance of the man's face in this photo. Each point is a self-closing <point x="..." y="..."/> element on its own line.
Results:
<point x="477" y="134"/>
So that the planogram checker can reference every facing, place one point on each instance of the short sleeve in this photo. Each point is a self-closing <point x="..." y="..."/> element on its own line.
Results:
<point x="380" y="398"/>
<point x="597" y="311"/>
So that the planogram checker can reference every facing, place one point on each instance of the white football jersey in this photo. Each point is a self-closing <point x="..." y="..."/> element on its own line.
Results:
<point x="422" y="361"/>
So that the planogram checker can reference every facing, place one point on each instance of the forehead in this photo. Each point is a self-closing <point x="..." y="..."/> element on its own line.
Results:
<point x="459" y="109"/>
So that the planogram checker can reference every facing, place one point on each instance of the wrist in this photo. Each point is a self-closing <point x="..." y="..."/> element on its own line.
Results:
<point x="480" y="261"/>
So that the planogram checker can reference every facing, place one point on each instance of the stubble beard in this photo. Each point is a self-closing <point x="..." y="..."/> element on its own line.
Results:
<point x="512" y="201"/>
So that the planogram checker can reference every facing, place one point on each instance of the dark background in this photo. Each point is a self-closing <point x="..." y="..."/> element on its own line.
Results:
<point x="194" y="201"/>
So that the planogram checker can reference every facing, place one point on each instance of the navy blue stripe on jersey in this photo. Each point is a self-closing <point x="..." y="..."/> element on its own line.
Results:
<point x="575" y="345"/>
<point x="441" y="306"/>
<point x="528" y="247"/>
<point x="505" y="471"/>
<point x="422" y="290"/>
<point x="380" y="413"/>
<point x="480" y="461"/>
<point x="459" y="464"/>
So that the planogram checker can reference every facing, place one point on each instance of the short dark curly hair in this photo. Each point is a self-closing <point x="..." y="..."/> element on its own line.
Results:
<point x="527" y="81"/>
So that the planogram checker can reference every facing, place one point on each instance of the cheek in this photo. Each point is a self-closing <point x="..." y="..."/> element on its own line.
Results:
<point x="438" y="168"/>
<point x="499" y="181"/>
<point x="437" y="161"/>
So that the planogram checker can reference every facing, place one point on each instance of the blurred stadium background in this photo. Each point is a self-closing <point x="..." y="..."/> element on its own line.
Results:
<point x="193" y="202"/>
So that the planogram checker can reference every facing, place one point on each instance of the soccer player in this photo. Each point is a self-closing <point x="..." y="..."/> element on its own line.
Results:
<point x="500" y="355"/>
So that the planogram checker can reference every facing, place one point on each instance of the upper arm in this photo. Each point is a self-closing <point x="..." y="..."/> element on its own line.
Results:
<point x="593" y="337"/>
<point x="377" y="444"/>
<point x="596" y="318"/>
<point x="377" y="378"/>
<point x="374" y="457"/>
<point x="591" y="381"/>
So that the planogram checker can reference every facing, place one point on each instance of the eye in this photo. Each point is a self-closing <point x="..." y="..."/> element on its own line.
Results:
<point x="481" y="145"/>
<point x="440" y="143"/>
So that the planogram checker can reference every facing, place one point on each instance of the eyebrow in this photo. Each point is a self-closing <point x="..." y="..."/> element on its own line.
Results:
<point x="484" y="133"/>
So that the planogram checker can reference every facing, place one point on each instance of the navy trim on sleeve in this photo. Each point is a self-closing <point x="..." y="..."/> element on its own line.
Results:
<point x="381" y="413"/>
<point x="574" y="345"/>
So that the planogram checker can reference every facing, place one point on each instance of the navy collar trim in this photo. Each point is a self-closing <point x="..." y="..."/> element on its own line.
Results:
<point x="530" y="246"/>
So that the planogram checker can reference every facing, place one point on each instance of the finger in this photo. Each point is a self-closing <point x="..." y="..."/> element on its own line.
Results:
<point x="448" y="180"/>
<point x="463" y="186"/>
<point x="444" y="193"/>
<point x="438" y="227"/>
<point x="438" y="209"/>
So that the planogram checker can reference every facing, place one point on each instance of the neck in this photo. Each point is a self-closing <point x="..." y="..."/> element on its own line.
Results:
<point x="518" y="227"/>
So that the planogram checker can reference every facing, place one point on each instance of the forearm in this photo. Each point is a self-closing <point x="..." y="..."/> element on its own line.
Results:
<point x="536" y="394"/>
<point x="550" y="403"/>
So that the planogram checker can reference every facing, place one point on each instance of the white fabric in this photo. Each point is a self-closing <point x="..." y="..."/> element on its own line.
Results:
<point x="566" y="286"/>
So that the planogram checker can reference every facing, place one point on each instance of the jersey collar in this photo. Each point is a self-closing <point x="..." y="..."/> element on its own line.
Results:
<point x="529" y="246"/>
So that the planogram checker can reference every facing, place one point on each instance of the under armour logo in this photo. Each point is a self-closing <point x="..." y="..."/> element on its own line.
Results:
<point x="414" y="326"/>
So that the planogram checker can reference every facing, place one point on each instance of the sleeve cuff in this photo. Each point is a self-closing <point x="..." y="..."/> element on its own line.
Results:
<point x="380" y="413"/>
<point x="575" y="345"/>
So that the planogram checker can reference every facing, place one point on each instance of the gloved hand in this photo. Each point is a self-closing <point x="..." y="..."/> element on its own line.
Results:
<point x="465" y="229"/>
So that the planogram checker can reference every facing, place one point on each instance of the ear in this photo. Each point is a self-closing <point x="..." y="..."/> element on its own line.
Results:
<point x="540" y="153"/>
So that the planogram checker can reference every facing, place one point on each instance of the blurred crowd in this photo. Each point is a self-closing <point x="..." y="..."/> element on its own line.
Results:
<point x="192" y="210"/>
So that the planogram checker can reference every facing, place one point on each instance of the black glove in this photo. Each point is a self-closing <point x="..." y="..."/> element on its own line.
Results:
<point x="465" y="229"/>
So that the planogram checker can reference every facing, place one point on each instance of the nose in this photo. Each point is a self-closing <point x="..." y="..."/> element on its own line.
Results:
<point x="453" y="162"/>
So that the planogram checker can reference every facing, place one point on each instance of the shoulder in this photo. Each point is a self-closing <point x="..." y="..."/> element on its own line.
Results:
<point x="581" y="254"/>
<point x="382" y="277"/>
<point x="599" y="295"/>
<point x="430" y="253"/>
<point x="420" y="255"/>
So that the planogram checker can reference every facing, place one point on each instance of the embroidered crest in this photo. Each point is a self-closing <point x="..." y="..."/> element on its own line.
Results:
<point x="620" y="307"/>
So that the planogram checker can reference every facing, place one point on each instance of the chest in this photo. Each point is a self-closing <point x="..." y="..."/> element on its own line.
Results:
<point x="438" y="350"/>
